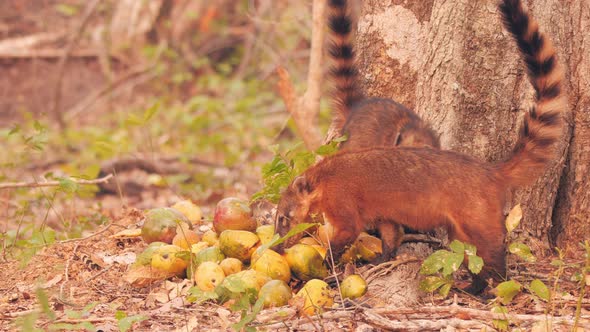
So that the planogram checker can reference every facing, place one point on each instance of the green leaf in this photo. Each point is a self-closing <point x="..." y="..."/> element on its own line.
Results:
<point x="500" y="324"/>
<point x="66" y="10"/>
<point x="538" y="288"/>
<point x="513" y="218"/>
<point x="470" y="249"/>
<point x="445" y="289"/>
<point x="67" y="185"/>
<point x="475" y="263"/>
<point x="297" y="229"/>
<point x="44" y="302"/>
<point x="149" y="113"/>
<point x="126" y="323"/>
<point x="195" y="294"/>
<point x="522" y="250"/>
<point x="457" y="247"/>
<point x="508" y="290"/>
<point x="87" y="326"/>
<point x="247" y="319"/>
<point x="432" y="283"/>
<point x="452" y="263"/>
<point x="434" y="263"/>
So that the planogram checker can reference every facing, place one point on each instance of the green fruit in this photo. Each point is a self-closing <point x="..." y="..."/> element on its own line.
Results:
<point x="265" y="233"/>
<point x="238" y="244"/>
<point x="145" y="257"/>
<point x="275" y="293"/>
<point x="160" y="225"/>
<point x="248" y="282"/>
<point x="211" y="254"/>
<point x="272" y="264"/>
<point x="233" y="213"/>
<point x="306" y="262"/>
<point x="353" y="286"/>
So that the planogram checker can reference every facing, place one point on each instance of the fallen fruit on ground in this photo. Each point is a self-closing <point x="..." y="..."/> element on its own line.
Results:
<point x="160" y="225"/>
<point x="210" y="237"/>
<point x="211" y="254"/>
<point x="234" y="214"/>
<point x="145" y="257"/>
<point x="275" y="293"/>
<point x="305" y="262"/>
<point x="353" y="286"/>
<point x="317" y="295"/>
<point x="208" y="276"/>
<point x="165" y="259"/>
<point x="191" y="211"/>
<point x="185" y="238"/>
<point x="238" y="244"/>
<point x="265" y="233"/>
<point x="235" y="285"/>
<point x="195" y="248"/>
<point x="231" y="266"/>
<point x="272" y="264"/>
<point x="369" y="247"/>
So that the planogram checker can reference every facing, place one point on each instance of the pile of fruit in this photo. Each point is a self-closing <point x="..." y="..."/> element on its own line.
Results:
<point x="237" y="251"/>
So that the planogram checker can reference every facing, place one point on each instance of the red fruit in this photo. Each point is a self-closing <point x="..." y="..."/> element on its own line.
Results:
<point x="233" y="213"/>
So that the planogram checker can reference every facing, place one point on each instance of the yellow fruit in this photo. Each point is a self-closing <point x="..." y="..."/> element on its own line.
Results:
<point x="185" y="238"/>
<point x="189" y="210"/>
<point x="195" y="248"/>
<point x="272" y="264"/>
<point x="208" y="275"/>
<point x="234" y="285"/>
<point x="353" y="286"/>
<point x="306" y="263"/>
<point x="309" y="241"/>
<point x="350" y="255"/>
<point x="325" y="233"/>
<point x="275" y="293"/>
<point x="317" y="295"/>
<point x="145" y="257"/>
<point x="238" y="244"/>
<point x="231" y="265"/>
<point x="265" y="233"/>
<point x="233" y="213"/>
<point x="165" y="259"/>
<point x="160" y="225"/>
<point x="210" y="237"/>
<point x="369" y="247"/>
<point x="322" y="250"/>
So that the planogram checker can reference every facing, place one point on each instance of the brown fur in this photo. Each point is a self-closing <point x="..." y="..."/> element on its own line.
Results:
<point x="426" y="188"/>
<point x="368" y="122"/>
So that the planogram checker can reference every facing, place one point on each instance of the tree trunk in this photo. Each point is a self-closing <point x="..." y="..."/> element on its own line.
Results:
<point x="455" y="65"/>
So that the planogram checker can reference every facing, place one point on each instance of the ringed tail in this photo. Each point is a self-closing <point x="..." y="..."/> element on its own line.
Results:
<point x="343" y="72"/>
<point x="542" y="126"/>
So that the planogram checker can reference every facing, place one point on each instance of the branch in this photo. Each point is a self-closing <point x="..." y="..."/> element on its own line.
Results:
<point x="33" y="184"/>
<point x="79" y="29"/>
<point x="305" y="109"/>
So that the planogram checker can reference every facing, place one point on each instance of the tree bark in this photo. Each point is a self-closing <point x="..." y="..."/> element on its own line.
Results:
<point x="455" y="65"/>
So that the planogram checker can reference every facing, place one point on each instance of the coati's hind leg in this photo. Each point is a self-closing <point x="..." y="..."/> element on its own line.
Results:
<point x="391" y="235"/>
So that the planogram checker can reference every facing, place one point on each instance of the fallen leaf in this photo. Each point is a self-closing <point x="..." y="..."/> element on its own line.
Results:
<point x="127" y="233"/>
<point x="513" y="218"/>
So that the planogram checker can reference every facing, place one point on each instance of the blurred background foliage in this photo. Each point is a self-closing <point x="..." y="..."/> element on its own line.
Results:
<point x="187" y="86"/>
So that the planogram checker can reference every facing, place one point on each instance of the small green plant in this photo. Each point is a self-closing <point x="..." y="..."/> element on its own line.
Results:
<point x="440" y="266"/>
<point x="285" y="166"/>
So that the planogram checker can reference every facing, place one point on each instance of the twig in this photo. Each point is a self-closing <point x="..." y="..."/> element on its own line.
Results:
<point x="67" y="275"/>
<point x="88" y="236"/>
<point x="36" y="184"/>
<point x="51" y="53"/>
<point x="384" y="268"/>
<point x="79" y="29"/>
<point x="305" y="109"/>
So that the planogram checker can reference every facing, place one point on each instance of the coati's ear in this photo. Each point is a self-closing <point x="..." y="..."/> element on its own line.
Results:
<point x="301" y="185"/>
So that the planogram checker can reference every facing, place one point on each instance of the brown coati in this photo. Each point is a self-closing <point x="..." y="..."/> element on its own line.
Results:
<point x="425" y="188"/>
<point x="367" y="122"/>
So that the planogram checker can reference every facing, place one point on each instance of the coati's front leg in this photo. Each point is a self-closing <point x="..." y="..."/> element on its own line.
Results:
<point x="347" y="225"/>
<point x="391" y="235"/>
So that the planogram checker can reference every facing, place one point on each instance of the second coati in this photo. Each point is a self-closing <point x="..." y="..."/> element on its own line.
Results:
<point x="425" y="188"/>
<point x="367" y="122"/>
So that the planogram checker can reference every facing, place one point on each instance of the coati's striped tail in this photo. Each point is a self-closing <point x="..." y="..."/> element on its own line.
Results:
<point x="344" y="73"/>
<point x="542" y="125"/>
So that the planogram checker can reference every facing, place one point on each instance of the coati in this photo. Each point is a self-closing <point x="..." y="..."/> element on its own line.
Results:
<point x="425" y="188"/>
<point x="367" y="122"/>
